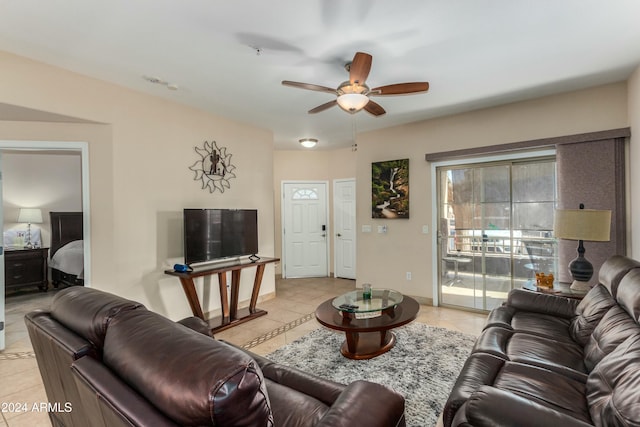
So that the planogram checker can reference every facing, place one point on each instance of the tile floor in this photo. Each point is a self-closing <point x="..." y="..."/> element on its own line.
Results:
<point x="290" y="316"/>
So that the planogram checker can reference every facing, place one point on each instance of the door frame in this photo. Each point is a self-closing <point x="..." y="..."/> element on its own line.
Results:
<point x="355" y="233"/>
<point x="83" y="148"/>
<point x="282" y="221"/>
<point x="434" y="201"/>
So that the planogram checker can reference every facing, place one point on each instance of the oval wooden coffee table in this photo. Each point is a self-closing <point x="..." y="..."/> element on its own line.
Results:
<point x="366" y="337"/>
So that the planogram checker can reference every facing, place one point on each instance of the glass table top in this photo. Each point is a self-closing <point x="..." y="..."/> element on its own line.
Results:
<point x="354" y="301"/>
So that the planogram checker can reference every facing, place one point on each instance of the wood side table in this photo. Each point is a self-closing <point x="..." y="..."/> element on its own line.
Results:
<point x="561" y="289"/>
<point x="231" y="315"/>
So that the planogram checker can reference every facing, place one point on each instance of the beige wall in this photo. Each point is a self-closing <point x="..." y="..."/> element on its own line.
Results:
<point x="383" y="259"/>
<point x="139" y="176"/>
<point x="634" y="160"/>
<point x="312" y="165"/>
<point x="51" y="182"/>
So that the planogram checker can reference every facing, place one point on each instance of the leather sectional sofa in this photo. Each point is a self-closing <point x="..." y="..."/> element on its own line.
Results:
<point x="545" y="360"/>
<point x="107" y="361"/>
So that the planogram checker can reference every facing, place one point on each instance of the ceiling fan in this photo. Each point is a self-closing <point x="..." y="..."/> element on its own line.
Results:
<point x="353" y="94"/>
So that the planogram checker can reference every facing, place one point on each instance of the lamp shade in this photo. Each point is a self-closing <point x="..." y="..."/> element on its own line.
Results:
<point x="582" y="224"/>
<point x="30" y="215"/>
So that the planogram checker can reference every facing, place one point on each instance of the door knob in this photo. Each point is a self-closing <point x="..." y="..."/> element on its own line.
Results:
<point x="339" y="235"/>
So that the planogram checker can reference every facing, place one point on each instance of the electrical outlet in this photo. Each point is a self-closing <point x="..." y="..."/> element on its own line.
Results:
<point x="425" y="229"/>
<point x="408" y="275"/>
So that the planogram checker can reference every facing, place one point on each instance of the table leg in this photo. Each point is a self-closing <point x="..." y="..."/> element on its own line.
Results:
<point x="352" y="341"/>
<point x="192" y="296"/>
<point x="256" y="288"/>
<point x="383" y="338"/>
<point x="235" y="287"/>
<point x="224" y="300"/>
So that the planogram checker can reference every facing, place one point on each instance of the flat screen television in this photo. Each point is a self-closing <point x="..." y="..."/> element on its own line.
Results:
<point x="216" y="234"/>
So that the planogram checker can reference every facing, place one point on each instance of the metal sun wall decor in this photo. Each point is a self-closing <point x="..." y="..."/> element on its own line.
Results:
<point x="214" y="168"/>
<point x="390" y="189"/>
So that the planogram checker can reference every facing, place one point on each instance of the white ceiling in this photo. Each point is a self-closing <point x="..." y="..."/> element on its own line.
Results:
<point x="474" y="53"/>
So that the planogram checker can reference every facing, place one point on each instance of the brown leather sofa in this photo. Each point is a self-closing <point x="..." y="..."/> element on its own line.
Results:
<point x="545" y="360"/>
<point x="107" y="361"/>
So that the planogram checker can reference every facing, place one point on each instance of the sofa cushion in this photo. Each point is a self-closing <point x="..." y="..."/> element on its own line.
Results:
<point x="589" y="313"/>
<point x="192" y="378"/>
<point x="612" y="387"/>
<point x="629" y="293"/>
<point x="563" y="357"/>
<point x="543" y="325"/>
<point x="545" y="387"/>
<point x="538" y="314"/>
<point x="613" y="270"/>
<point x="492" y="407"/>
<point x="614" y="328"/>
<point x="88" y="311"/>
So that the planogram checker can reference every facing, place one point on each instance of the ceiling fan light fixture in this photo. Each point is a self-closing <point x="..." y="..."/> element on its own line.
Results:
<point x="308" y="142"/>
<point x="352" y="102"/>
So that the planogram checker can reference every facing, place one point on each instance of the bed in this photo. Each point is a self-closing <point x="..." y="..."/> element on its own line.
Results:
<point x="67" y="249"/>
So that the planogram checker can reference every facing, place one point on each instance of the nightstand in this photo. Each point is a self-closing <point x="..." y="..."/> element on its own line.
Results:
<point x="26" y="268"/>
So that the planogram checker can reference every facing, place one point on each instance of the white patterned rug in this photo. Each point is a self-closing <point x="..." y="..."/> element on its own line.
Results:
<point x="423" y="365"/>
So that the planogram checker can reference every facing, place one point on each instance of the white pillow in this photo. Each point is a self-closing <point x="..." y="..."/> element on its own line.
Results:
<point x="17" y="237"/>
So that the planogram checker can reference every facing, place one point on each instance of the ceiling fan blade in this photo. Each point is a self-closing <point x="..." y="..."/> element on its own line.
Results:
<point x="310" y="86"/>
<point x="374" y="108"/>
<point x="360" y="67"/>
<point x="400" y="89"/>
<point x="323" y="107"/>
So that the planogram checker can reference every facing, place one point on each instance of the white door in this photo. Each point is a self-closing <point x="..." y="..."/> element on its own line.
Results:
<point x="344" y="216"/>
<point x="304" y="229"/>
<point x="2" y="321"/>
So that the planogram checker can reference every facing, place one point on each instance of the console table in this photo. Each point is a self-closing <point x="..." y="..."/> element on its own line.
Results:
<point x="231" y="315"/>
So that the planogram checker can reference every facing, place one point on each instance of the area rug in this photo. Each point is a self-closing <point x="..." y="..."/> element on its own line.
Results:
<point x="422" y="366"/>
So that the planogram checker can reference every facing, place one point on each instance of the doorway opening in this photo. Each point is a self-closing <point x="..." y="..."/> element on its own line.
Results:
<point x="53" y="148"/>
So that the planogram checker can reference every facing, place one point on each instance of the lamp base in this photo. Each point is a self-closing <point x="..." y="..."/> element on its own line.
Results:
<point x="578" y="285"/>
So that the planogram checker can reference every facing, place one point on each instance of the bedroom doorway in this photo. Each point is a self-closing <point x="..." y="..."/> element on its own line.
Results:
<point x="52" y="148"/>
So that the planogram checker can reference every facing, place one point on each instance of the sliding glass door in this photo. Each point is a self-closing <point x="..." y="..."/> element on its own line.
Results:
<point x="495" y="229"/>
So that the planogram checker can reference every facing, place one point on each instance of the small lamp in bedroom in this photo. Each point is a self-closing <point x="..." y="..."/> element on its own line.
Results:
<point x="582" y="224"/>
<point x="30" y="216"/>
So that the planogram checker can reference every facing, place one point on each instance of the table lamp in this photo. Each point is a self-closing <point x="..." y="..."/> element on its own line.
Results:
<point x="582" y="224"/>
<point x="30" y="216"/>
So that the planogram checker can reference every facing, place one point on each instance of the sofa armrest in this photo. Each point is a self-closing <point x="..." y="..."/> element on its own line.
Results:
<point x="492" y="407"/>
<point x="324" y="390"/>
<point x="365" y="404"/>
<point x="553" y="305"/>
